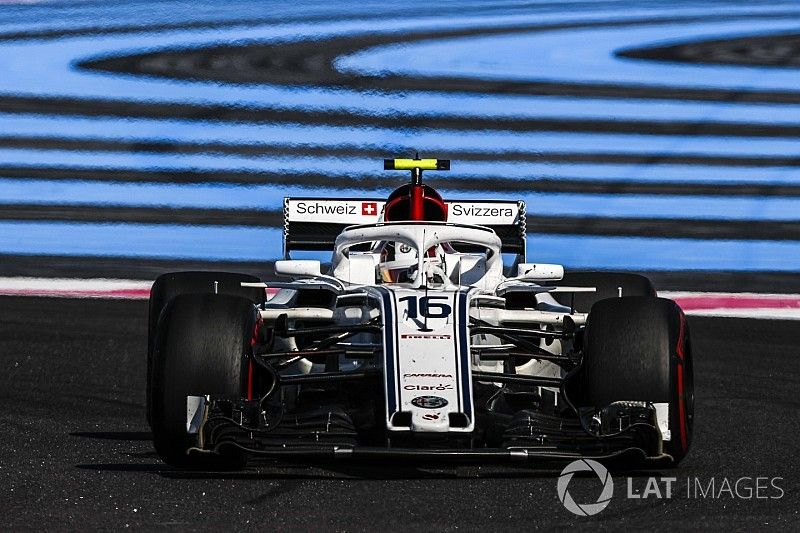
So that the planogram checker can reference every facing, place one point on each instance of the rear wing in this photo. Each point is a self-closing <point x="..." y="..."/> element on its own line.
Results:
<point x="312" y="224"/>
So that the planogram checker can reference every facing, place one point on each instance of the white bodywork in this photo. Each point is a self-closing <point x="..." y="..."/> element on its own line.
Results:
<point x="428" y="356"/>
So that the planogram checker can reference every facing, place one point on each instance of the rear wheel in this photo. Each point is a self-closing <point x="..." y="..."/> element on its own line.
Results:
<point x="639" y="349"/>
<point x="608" y="284"/>
<point x="202" y="344"/>
<point x="168" y="286"/>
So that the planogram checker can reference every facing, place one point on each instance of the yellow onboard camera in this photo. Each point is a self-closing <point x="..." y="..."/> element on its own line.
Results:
<point x="421" y="164"/>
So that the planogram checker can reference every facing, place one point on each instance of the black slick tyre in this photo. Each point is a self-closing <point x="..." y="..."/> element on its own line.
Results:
<point x="168" y="286"/>
<point x="202" y="346"/>
<point x="639" y="349"/>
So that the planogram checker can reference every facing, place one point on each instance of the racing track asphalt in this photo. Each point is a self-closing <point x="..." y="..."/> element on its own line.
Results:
<point x="76" y="450"/>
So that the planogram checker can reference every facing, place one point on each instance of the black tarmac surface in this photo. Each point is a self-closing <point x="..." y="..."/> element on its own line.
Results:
<point x="77" y="453"/>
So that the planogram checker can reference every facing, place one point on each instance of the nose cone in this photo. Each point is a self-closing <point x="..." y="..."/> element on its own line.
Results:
<point x="427" y="421"/>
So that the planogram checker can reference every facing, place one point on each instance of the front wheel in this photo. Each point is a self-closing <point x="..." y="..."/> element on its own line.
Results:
<point x="202" y="346"/>
<point x="168" y="286"/>
<point x="639" y="349"/>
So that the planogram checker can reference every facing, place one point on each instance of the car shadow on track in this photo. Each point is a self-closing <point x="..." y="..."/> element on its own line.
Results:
<point x="299" y="472"/>
<point x="147" y="461"/>
<point x="372" y="471"/>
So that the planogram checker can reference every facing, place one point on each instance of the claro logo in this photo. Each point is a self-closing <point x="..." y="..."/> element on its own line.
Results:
<point x="440" y="386"/>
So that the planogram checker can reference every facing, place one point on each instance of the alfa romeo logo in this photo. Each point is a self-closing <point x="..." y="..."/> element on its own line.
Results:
<point x="429" y="402"/>
<point x="585" y="509"/>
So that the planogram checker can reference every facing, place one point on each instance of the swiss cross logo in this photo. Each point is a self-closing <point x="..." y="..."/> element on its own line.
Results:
<point x="369" y="208"/>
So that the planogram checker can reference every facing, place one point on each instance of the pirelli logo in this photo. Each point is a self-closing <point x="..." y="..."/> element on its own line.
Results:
<point x="421" y="336"/>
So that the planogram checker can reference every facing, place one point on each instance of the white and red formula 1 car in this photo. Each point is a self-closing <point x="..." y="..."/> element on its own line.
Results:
<point x="427" y="337"/>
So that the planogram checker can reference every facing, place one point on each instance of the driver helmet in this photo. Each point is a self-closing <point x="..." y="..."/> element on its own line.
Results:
<point x="398" y="262"/>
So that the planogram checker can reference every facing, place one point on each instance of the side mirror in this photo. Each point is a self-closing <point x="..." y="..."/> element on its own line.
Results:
<point x="540" y="272"/>
<point x="298" y="267"/>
